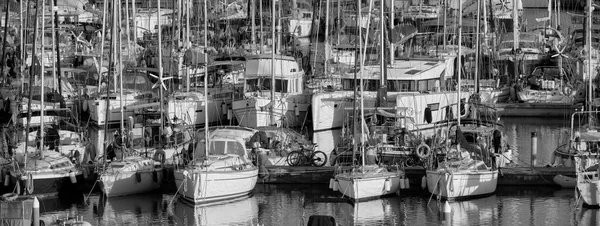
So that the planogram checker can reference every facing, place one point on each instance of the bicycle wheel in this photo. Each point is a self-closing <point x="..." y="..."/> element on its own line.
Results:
<point x="294" y="158"/>
<point x="318" y="158"/>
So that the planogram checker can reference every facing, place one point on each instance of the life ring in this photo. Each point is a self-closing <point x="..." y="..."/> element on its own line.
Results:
<point x="29" y="184"/>
<point x="423" y="150"/>
<point x="10" y="196"/>
<point x="159" y="156"/>
<point x="566" y="90"/>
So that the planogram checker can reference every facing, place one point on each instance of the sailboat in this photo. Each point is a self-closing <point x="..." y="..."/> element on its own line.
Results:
<point x="468" y="168"/>
<point x="43" y="171"/>
<point x="367" y="181"/>
<point x="585" y="139"/>
<point x="274" y="91"/>
<point x="221" y="168"/>
<point x="127" y="173"/>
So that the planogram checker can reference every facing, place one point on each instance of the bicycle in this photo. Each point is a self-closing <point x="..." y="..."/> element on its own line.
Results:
<point x="306" y="156"/>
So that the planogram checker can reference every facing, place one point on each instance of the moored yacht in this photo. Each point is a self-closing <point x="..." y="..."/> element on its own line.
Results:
<point x="223" y="172"/>
<point x="285" y="104"/>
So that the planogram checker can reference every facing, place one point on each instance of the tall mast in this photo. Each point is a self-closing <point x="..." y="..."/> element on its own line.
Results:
<point x="515" y="39"/>
<point x="362" y="110"/>
<point x="253" y="29"/>
<point x="55" y="38"/>
<point x="271" y="109"/>
<point x="205" y="78"/>
<point x="31" y="70"/>
<point x="392" y="21"/>
<point x="478" y="49"/>
<point x="260" y="9"/>
<point x="590" y="10"/>
<point x="111" y="72"/>
<point x="326" y="34"/>
<point x="459" y="59"/>
<point x="42" y="80"/>
<point x="160" y="69"/>
<point x="134" y="21"/>
<point x="4" y="42"/>
<point x="120" y="63"/>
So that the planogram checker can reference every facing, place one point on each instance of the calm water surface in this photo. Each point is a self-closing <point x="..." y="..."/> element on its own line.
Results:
<point x="283" y="205"/>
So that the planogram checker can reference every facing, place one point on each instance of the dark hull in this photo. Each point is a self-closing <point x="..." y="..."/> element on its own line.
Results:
<point x="50" y="186"/>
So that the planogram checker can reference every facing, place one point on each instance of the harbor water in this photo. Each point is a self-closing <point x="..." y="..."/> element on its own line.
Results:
<point x="284" y="205"/>
<point x="290" y="204"/>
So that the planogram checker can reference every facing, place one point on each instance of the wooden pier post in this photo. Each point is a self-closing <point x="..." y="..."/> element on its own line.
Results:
<point x="533" y="149"/>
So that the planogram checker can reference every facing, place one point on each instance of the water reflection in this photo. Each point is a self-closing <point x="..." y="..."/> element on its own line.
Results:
<point x="242" y="211"/>
<point x="142" y="209"/>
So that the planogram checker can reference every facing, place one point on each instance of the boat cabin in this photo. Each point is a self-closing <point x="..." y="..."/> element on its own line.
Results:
<point x="288" y="75"/>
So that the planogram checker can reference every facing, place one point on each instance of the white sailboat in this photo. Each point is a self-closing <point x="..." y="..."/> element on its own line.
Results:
<point x="128" y="174"/>
<point x="468" y="170"/>
<point x="367" y="181"/>
<point x="43" y="172"/>
<point x="586" y="139"/>
<point x="221" y="168"/>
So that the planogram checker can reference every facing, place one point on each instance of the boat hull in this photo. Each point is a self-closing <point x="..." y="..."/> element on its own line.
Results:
<point x="97" y="110"/>
<point x="46" y="184"/>
<point x="462" y="185"/>
<point x="371" y="187"/>
<point x="253" y="113"/>
<point x="200" y="186"/>
<point x="589" y="193"/>
<point x="120" y="183"/>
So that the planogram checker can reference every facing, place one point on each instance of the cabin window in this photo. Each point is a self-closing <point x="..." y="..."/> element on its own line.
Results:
<point x="281" y="86"/>
<point x="235" y="148"/>
<point x="217" y="148"/>
<point x="400" y="86"/>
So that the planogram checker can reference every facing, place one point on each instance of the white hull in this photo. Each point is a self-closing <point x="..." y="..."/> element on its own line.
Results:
<point x="368" y="187"/>
<point x="192" y="112"/>
<point x="300" y="27"/>
<point x="460" y="185"/>
<point x="253" y="113"/>
<point x="589" y="192"/>
<point x="328" y="112"/>
<point x="120" y="183"/>
<point x="97" y="109"/>
<point x="205" y="186"/>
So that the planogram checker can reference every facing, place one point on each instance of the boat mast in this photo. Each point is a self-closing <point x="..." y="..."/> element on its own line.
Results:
<point x="478" y="47"/>
<point x="392" y="21"/>
<point x="354" y="121"/>
<point x="120" y="63"/>
<point x="253" y="29"/>
<point x="271" y="109"/>
<point x="459" y="63"/>
<point x="590" y="10"/>
<point x="56" y="63"/>
<point x="326" y="36"/>
<point x="515" y="40"/>
<point x="102" y="36"/>
<point x="205" y="79"/>
<point x="42" y="80"/>
<point x="160" y="71"/>
<point x="31" y="70"/>
<point x="110" y="74"/>
<point x="54" y="57"/>
<point x="4" y="42"/>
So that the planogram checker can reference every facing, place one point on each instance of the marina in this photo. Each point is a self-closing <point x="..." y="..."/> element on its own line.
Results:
<point x="153" y="112"/>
